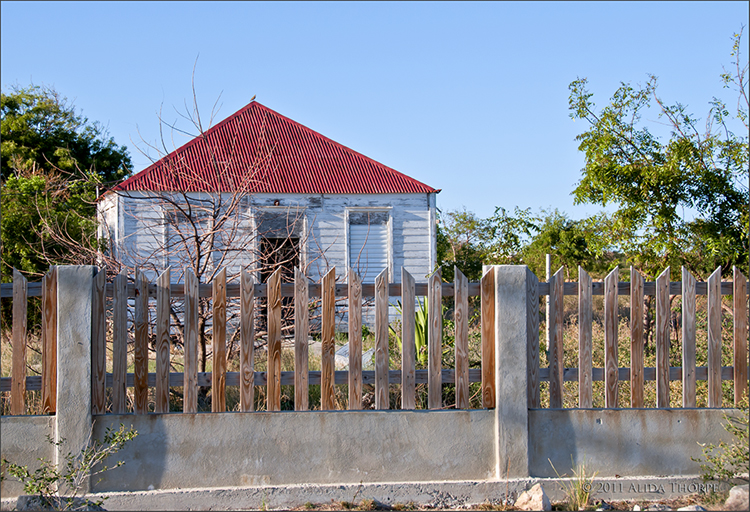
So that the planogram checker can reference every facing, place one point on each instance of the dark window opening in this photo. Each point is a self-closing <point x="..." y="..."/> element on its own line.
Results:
<point x="278" y="253"/>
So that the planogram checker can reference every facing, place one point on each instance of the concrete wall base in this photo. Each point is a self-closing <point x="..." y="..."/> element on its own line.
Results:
<point x="624" y="442"/>
<point x="447" y="494"/>
<point x="24" y="442"/>
<point x="175" y="451"/>
<point x="286" y="448"/>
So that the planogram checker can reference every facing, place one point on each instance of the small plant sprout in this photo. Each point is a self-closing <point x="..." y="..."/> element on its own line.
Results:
<point x="577" y="489"/>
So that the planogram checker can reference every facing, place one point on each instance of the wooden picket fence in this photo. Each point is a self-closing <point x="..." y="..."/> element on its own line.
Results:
<point x="636" y="375"/>
<point x="137" y="294"/>
<point x="19" y="382"/>
<point x="247" y="378"/>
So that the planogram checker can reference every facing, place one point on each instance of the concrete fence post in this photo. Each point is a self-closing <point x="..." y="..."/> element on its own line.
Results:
<point x="511" y="370"/>
<point x="73" y="417"/>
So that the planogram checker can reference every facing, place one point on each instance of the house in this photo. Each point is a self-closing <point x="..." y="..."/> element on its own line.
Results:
<point x="265" y="191"/>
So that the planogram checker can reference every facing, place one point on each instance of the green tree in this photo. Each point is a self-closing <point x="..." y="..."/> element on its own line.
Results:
<point x="570" y="243"/>
<point x="462" y="241"/>
<point x="52" y="161"/>
<point x="701" y="169"/>
<point x="510" y="235"/>
<point x="526" y="238"/>
<point x="40" y="127"/>
<point x="523" y="237"/>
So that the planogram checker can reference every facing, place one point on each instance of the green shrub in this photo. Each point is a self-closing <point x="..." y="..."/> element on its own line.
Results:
<point x="67" y="479"/>
<point x="728" y="461"/>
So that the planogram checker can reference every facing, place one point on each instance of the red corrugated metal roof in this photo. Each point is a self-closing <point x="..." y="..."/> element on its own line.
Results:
<point x="261" y="151"/>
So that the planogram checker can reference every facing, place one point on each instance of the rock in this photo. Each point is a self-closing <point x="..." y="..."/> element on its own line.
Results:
<point x="692" y="508"/>
<point x="342" y="358"/>
<point x="657" y="507"/>
<point x="637" y="507"/>
<point x="603" y="505"/>
<point x="533" y="499"/>
<point x="738" y="498"/>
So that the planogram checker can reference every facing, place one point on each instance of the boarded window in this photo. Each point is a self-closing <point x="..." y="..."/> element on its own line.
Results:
<point x="279" y="223"/>
<point x="180" y="248"/>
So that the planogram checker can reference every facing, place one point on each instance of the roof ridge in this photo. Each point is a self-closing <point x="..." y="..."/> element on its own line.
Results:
<point x="347" y="148"/>
<point x="306" y="153"/>
<point x="195" y="140"/>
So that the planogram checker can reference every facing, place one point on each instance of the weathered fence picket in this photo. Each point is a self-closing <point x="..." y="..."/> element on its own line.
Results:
<point x="381" y="341"/>
<point x="355" y="339"/>
<point x="434" y="341"/>
<point x="556" y="339"/>
<point x="663" y="315"/>
<point x="49" y="341"/>
<point x="328" y="341"/>
<point x="120" y="343"/>
<point x="219" y="343"/>
<point x="611" y="381"/>
<point x="18" y="395"/>
<point x="636" y="338"/>
<point x="247" y="343"/>
<point x="461" y="342"/>
<point x="273" y="384"/>
<point x="190" y="363"/>
<point x="487" y="313"/>
<point x="408" y="342"/>
<point x="688" y="339"/>
<point x="301" y="332"/>
<point x="714" y="339"/>
<point x="163" y="351"/>
<point x="585" y="347"/>
<point x="739" y="335"/>
<point x="99" y="344"/>
<point x="140" y="364"/>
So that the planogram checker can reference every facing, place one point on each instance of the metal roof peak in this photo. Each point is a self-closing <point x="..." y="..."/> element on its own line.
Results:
<point x="260" y="150"/>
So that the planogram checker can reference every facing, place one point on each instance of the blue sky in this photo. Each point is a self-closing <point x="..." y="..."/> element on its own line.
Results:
<point x="468" y="97"/>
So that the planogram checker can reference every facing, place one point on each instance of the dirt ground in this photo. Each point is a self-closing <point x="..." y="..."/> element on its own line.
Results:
<point x="709" y="502"/>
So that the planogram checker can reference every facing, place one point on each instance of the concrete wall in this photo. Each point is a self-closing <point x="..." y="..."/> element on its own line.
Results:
<point x="177" y="451"/>
<point x="24" y="441"/>
<point x="625" y="442"/>
<point x="237" y="449"/>
<point x="240" y="449"/>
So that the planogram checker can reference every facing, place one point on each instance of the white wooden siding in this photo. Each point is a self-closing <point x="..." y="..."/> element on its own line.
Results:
<point x="141" y="228"/>
<point x="107" y="218"/>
